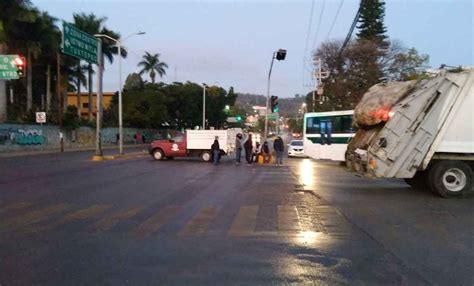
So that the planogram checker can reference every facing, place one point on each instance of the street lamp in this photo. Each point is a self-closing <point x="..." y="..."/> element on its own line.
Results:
<point x="204" y="86"/>
<point x="279" y="55"/>
<point x="119" y="42"/>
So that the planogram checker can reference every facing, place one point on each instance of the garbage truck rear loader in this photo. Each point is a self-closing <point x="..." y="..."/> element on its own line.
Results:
<point x="427" y="139"/>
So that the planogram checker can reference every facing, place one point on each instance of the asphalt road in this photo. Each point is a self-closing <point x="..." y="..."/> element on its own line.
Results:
<point x="65" y="220"/>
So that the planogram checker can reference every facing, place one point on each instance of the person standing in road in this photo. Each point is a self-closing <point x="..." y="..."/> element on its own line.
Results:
<point x="279" y="147"/>
<point x="216" y="150"/>
<point x="248" y="145"/>
<point x="238" y="148"/>
<point x="266" y="153"/>
<point x="255" y="153"/>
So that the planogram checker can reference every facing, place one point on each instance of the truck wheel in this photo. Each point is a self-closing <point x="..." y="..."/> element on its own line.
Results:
<point x="158" y="154"/>
<point x="451" y="179"/>
<point x="206" y="156"/>
<point x="418" y="181"/>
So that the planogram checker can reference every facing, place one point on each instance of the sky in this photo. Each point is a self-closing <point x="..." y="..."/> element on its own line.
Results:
<point x="231" y="43"/>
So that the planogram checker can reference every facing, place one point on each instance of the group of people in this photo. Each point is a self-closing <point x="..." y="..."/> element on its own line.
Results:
<point x="252" y="153"/>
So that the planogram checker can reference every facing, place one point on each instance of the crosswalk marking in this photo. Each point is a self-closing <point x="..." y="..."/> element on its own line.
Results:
<point x="92" y="211"/>
<point x="199" y="224"/>
<point x="34" y="216"/>
<point x="288" y="219"/>
<point x="245" y="222"/>
<point x="111" y="220"/>
<point x="15" y="207"/>
<point x="153" y="223"/>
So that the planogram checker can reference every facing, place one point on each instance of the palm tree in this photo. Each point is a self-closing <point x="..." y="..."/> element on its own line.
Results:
<point x="151" y="64"/>
<point x="92" y="24"/>
<point x="79" y="71"/>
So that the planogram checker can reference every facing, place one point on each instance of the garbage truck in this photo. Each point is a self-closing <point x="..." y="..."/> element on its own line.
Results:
<point x="425" y="136"/>
<point x="195" y="143"/>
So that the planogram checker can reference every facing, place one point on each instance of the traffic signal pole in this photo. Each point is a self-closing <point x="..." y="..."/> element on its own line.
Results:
<point x="268" y="99"/>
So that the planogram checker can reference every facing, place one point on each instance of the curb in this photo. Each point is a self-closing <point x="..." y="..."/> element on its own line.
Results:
<point x="119" y="157"/>
<point x="6" y="154"/>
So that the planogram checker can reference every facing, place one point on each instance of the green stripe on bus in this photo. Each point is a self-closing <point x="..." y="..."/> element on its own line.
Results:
<point x="334" y="140"/>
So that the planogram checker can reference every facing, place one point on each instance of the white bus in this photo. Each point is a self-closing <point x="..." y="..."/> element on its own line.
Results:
<point x="326" y="134"/>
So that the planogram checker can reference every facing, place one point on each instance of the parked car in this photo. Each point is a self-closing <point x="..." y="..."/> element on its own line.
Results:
<point x="295" y="149"/>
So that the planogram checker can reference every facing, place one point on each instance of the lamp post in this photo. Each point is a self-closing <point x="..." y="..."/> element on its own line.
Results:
<point x="119" y="42"/>
<point x="204" y="86"/>
<point x="279" y="55"/>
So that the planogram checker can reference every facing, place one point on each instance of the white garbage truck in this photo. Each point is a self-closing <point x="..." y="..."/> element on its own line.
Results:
<point x="426" y="137"/>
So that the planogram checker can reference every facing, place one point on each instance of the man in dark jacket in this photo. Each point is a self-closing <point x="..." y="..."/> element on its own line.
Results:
<point x="279" y="147"/>
<point x="248" y="145"/>
<point x="216" y="150"/>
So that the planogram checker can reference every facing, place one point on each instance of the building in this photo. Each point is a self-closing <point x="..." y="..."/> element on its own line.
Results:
<point x="72" y="100"/>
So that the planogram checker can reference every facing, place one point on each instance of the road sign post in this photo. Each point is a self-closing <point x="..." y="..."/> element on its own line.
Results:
<point x="79" y="44"/>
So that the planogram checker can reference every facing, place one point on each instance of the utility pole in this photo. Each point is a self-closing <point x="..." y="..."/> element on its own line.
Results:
<point x="98" y="146"/>
<point x="60" y="100"/>
<point x="29" y="80"/>
<point x="319" y="75"/>
<point x="48" y="89"/>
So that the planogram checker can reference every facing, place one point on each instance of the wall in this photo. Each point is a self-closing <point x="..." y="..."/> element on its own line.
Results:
<point x="17" y="137"/>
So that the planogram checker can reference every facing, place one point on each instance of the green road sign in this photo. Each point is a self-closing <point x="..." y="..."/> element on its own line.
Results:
<point x="272" y="116"/>
<point x="8" y="69"/>
<point x="79" y="44"/>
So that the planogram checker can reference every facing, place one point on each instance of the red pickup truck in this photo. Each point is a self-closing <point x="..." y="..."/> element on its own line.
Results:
<point x="195" y="143"/>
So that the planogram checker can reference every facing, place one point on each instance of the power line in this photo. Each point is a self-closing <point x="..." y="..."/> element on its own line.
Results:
<point x="304" y="63"/>
<point x="309" y="28"/>
<point x="319" y="24"/>
<point x="351" y="30"/>
<point x="335" y="19"/>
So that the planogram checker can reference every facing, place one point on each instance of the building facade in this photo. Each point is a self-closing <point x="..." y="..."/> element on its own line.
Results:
<point x="72" y="100"/>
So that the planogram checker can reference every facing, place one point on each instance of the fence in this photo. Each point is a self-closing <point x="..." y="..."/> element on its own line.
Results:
<point x="30" y="137"/>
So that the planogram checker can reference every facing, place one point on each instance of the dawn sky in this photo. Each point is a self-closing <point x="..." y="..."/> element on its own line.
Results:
<point x="230" y="43"/>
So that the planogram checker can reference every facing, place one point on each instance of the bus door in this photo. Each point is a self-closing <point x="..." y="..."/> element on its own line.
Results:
<point x="325" y="130"/>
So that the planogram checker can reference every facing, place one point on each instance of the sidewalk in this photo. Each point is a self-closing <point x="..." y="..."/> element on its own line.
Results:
<point x="67" y="149"/>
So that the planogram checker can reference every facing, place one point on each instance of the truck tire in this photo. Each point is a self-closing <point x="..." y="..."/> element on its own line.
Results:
<point x="418" y="181"/>
<point x="451" y="179"/>
<point x="158" y="154"/>
<point x="206" y="156"/>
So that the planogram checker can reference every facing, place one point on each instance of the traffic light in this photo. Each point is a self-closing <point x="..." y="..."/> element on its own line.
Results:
<point x="274" y="104"/>
<point x="20" y="63"/>
<point x="238" y="118"/>
<point x="281" y="54"/>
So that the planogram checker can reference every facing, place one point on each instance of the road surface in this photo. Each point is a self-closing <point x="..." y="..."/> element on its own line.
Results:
<point x="65" y="220"/>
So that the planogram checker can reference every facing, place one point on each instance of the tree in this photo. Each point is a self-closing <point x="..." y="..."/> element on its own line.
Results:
<point x="133" y="81"/>
<point x="151" y="64"/>
<point x="145" y="108"/>
<point x="81" y="80"/>
<point x="92" y="24"/>
<point x="407" y="65"/>
<point x="354" y="71"/>
<point x="371" y="26"/>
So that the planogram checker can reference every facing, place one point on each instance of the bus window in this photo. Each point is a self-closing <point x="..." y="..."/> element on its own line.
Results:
<point x="312" y="125"/>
